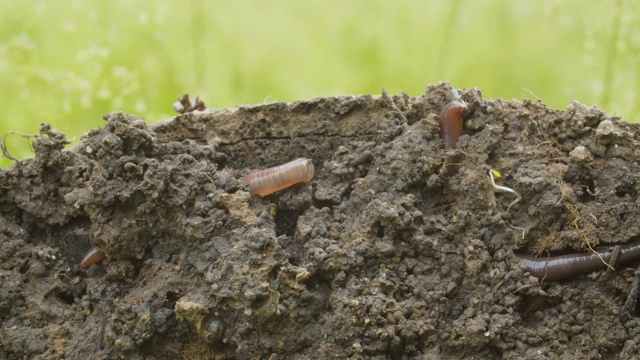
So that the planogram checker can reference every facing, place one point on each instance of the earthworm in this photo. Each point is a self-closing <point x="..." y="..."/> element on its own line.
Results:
<point x="267" y="181"/>
<point x="451" y="124"/>
<point x="93" y="255"/>
<point x="566" y="266"/>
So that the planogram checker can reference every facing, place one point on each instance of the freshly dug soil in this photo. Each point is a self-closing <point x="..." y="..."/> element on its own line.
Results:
<point x="382" y="255"/>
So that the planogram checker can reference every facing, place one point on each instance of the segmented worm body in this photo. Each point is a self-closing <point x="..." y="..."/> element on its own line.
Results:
<point x="451" y="127"/>
<point x="566" y="266"/>
<point x="451" y="123"/>
<point x="93" y="256"/>
<point x="265" y="182"/>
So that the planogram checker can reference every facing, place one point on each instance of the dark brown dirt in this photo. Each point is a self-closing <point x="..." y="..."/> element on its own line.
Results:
<point x="382" y="255"/>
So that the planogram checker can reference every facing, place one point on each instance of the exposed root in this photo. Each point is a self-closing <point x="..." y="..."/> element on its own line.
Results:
<point x="492" y="175"/>
<point x="3" y="144"/>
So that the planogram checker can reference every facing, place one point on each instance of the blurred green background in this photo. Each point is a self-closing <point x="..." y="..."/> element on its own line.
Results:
<point x="69" y="62"/>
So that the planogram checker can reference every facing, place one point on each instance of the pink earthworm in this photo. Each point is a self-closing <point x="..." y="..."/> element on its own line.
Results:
<point x="93" y="256"/>
<point x="451" y="123"/>
<point x="267" y="181"/>
<point x="451" y="127"/>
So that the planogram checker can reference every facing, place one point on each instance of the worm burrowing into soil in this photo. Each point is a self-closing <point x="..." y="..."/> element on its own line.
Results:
<point x="567" y="266"/>
<point x="93" y="256"/>
<point x="452" y="126"/>
<point x="451" y="123"/>
<point x="267" y="181"/>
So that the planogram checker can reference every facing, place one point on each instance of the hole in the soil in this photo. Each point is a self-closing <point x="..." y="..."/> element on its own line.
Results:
<point x="172" y="297"/>
<point x="496" y="352"/>
<point x="260" y="302"/>
<point x="319" y="282"/>
<point x="586" y="191"/>
<point x="313" y="282"/>
<point x="624" y="191"/>
<point x="378" y="229"/>
<point x="23" y="270"/>
<point x="66" y="296"/>
<point x="531" y="304"/>
<point x="321" y="204"/>
<point x="295" y="250"/>
<point x="273" y="274"/>
<point x="286" y="222"/>
<point x="636" y="309"/>
<point x="139" y="263"/>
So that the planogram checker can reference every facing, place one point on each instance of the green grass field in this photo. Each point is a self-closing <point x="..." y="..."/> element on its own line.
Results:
<point x="69" y="62"/>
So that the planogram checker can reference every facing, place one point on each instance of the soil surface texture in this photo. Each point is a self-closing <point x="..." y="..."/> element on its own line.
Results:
<point x="382" y="255"/>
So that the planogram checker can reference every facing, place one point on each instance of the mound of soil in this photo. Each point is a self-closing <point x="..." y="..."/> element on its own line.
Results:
<point x="382" y="254"/>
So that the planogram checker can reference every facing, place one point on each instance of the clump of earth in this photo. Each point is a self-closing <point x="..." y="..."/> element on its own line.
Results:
<point x="382" y="255"/>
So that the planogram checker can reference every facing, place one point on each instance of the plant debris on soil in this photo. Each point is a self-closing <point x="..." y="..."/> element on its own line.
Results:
<point x="381" y="255"/>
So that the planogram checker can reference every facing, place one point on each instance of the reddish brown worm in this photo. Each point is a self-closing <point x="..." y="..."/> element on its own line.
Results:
<point x="267" y="181"/>
<point x="451" y="123"/>
<point x="93" y="255"/>
<point x="567" y="266"/>
<point x="451" y="127"/>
